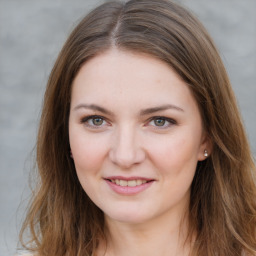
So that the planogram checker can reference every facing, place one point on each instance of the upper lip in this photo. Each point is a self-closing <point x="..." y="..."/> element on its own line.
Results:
<point x="127" y="178"/>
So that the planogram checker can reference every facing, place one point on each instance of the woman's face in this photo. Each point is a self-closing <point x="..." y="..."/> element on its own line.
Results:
<point x="136" y="136"/>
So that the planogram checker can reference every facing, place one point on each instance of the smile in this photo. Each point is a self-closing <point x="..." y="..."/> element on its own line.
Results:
<point x="129" y="186"/>
<point x="128" y="183"/>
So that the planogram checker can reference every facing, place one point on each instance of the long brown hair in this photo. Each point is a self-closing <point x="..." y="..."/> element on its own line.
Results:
<point x="62" y="219"/>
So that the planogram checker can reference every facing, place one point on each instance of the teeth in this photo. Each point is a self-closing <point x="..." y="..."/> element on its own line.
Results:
<point x="139" y="182"/>
<point x="129" y="183"/>
<point x="123" y="183"/>
<point x="132" y="183"/>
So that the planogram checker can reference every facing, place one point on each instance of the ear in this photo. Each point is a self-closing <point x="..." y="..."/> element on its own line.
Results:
<point x="205" y="148"/>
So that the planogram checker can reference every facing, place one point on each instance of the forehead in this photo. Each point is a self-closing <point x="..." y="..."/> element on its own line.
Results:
<point x="125" y="77"/>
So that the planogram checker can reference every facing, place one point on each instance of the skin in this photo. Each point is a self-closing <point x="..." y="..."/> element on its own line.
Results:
<point x="129" y="139"/>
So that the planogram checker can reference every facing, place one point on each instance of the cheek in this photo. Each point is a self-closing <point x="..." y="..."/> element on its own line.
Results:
<point x="88" y="152"/>
<point x="174" y="155"/>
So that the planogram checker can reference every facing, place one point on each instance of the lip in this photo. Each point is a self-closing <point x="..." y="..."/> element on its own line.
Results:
<point x="127" y="178"/>
<point x="126" y="190"/>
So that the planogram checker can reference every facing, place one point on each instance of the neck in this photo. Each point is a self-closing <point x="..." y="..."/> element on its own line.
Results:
<point x="164" y="236"/>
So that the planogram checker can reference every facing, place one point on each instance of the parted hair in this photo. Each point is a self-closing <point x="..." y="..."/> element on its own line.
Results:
<point x="61" y="219"/>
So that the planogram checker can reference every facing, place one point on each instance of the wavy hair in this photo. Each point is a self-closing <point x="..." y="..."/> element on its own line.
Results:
<point x="62" y="219"/>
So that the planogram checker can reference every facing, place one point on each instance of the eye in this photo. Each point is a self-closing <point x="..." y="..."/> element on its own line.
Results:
<point x="94" y="121"/>
<point x="159" y="122"/>
<point x="97" y="121"/>
<point x="162" y="122"/>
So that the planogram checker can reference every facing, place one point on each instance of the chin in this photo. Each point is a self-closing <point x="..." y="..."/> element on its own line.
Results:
<point x="128" y="216"/>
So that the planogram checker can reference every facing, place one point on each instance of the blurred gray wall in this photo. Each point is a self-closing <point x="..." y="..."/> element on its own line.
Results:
<point x="31" y="35"/>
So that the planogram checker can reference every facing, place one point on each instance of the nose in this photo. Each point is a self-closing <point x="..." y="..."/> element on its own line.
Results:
<point x="126" y="149"/>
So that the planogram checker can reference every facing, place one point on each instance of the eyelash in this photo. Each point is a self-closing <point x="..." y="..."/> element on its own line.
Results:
<point x="170" y="121"/>
<point x="86" y="120"/>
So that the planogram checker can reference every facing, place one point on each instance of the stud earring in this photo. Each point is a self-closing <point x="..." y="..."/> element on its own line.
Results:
<point x="205" y="153"/>
<point x="71" y="156"/>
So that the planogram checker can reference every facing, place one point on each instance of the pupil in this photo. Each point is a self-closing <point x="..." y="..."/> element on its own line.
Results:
<point x="97" y="121"/>
<point x="159" y="122"/>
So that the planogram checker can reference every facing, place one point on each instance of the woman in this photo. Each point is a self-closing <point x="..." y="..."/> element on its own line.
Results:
<point x="141" y="149"/>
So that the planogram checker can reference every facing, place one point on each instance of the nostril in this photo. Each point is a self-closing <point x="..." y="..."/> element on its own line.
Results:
<point x="128" y="158"/>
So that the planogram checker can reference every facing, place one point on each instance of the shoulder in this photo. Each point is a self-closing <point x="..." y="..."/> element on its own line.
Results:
<point x="24" y="253"/>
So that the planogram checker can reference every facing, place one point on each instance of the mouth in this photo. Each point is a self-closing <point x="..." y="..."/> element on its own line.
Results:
<point x="128" y="186"/>
<point x="129" y="183"/>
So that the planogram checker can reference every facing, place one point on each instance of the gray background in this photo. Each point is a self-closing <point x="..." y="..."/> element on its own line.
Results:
<point x="31" y="35"/>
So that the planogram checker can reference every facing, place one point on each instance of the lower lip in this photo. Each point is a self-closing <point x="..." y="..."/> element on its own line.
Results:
<point x="129" y="190"/>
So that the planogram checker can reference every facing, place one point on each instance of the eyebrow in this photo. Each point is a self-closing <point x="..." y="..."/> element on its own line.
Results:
<point x="93" y="107"/>
<point x="142" y="112"/>
<point x="160" y="108"/>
